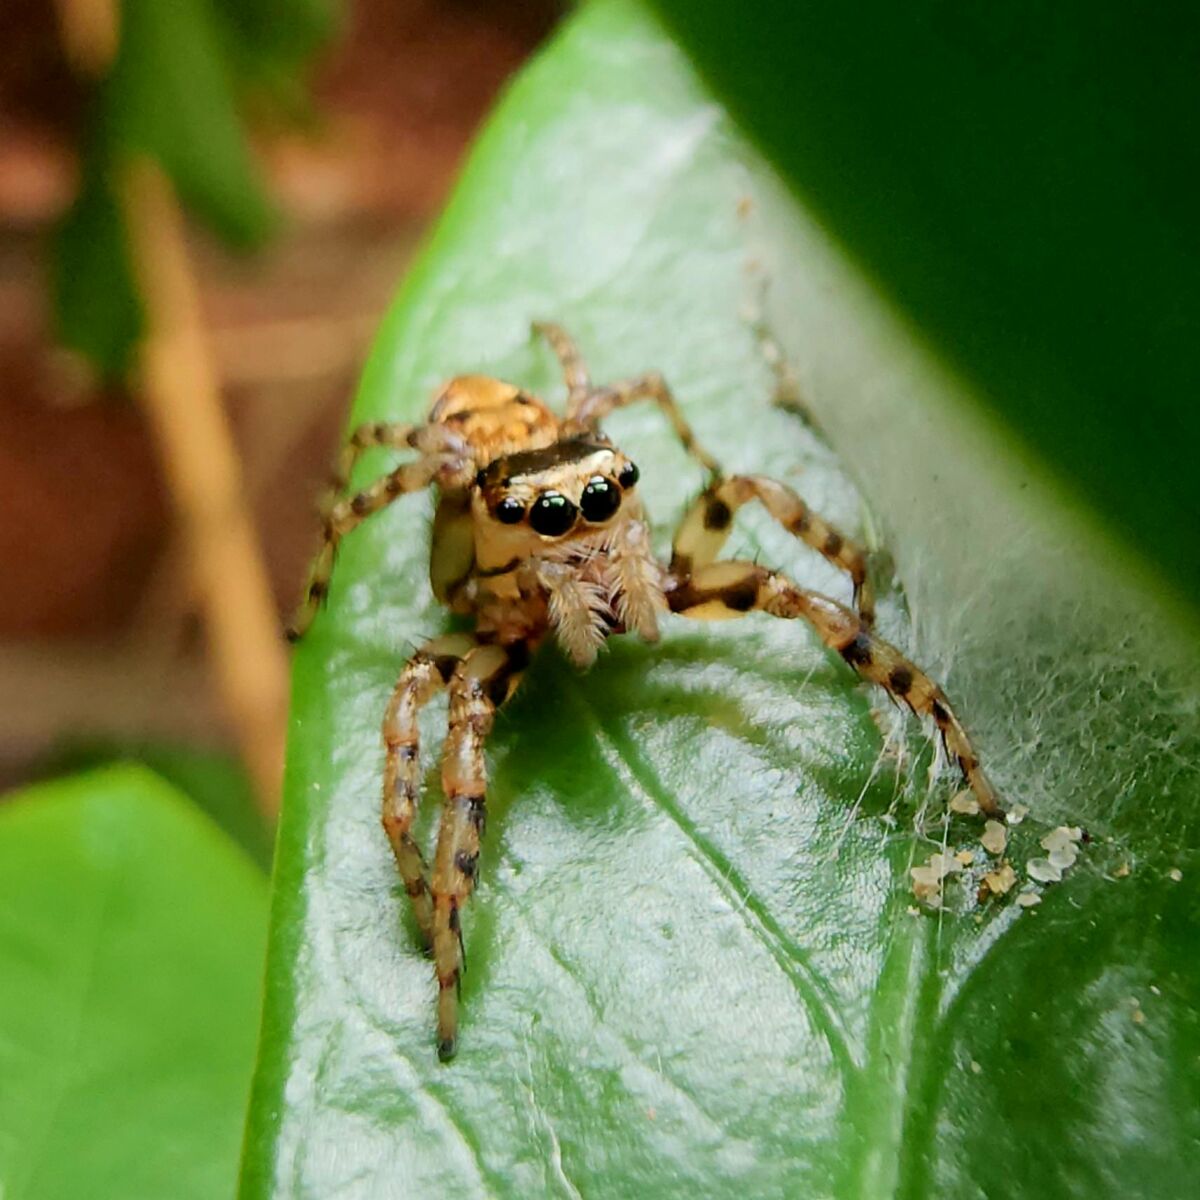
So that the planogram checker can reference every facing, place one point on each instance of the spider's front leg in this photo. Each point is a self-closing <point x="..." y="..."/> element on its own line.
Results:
<point x="706" y="527"/>
<point x="732" y="589"/>
<point x="480" y="684"/>
<point x="424" y="675"/>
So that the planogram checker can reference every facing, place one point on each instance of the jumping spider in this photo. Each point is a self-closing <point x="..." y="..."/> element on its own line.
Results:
<point x="539" y="529"/>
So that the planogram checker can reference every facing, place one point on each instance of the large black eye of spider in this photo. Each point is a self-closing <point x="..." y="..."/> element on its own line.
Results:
<point x="600" y="499"/>
<point x="552" y="514"/>
<point x="629" y="476"/>
<point x="509" y="511"/>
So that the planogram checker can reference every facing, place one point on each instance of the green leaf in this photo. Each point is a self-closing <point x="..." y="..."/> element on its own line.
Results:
<point x="97" y="309"/>
<point x="131" y="936"/>
<point x="275" y="35"/>
<point x="173" y="94"/>
<point x="695" y="964"/>
<point x="1020" y="181"/>
<point x="215" y="782"/>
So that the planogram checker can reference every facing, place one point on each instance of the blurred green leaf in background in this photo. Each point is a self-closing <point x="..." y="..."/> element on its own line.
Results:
<point x="695" y="962"/>
<point x="213" y="780"/>
<point x="131" y="937"/>
<point x="182" y="73"/>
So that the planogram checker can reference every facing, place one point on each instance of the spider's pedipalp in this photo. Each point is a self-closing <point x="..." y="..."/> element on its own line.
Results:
<point x="707" y="524"/>
<point x="732" y="589"/>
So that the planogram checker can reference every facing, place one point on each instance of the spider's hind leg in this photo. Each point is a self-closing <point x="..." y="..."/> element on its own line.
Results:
<point x="480" y="684"/>
<point x="732" y="589"/>
<point x="575" y="371"/>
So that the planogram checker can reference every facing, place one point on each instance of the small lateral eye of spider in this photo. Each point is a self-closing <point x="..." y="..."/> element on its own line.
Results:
<point x="509" y="511"/>
<point x="629" y="476"/>
<point x="552" y="514"/>
<point x="601" y="498"/>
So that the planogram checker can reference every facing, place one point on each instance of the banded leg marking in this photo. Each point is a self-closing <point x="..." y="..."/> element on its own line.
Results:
<point x="598" y="403"/>
<point x="345" y="515"/>
<point x="368" y="436"/>
<point x="425" y="674"/>
<point x="707" y="524"/>
<point x="575" y="371"/>
<point x="480" y="684"/>
<point x="731" y="589"/>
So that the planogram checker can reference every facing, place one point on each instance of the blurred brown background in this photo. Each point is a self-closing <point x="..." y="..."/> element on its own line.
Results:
<point x="99" y="636"/>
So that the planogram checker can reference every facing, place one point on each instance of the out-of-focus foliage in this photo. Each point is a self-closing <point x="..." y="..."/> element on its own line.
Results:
<point x="216" y="782"/>
<point x="1021" y="179"/>
<point x="181" y="73"/>
<point x="131" y="941"/>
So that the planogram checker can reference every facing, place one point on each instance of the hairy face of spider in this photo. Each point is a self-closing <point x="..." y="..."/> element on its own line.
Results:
<point x="569" y="491"/>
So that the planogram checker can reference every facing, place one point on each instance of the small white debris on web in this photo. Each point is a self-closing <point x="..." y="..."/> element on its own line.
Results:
<point x="1018" y="813"/>
<point x="994" y="838"/>
<point x="1122" y="871"/>
<point x="966" y="857"/>
<point x="1062" y="846"/>
<point x="1062" y="843"/>
<point x="1175" y="874"/>
<point x="1000" y="881"/>
<point x="927" y="879"/>
<point x="965" y="802"/>
<point x="1139" y="1017"/>
<point x="1029" y="899"/>
<point x="1043" y="870"/>
<point x="976" y="1069"/>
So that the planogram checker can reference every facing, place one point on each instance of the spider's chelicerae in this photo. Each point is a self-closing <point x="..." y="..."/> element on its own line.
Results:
<point x="539" y="530"/>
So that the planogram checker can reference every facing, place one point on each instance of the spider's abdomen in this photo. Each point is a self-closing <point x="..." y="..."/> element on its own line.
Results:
<point x="493" y="417"/>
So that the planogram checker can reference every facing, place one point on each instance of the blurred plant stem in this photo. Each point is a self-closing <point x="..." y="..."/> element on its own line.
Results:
<point x="182" y="398"/>
<point x="181" y="394"/>
<point x="90" y="29"/>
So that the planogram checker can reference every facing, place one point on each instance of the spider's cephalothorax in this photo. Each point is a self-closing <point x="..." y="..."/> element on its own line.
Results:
<point x="539" y="530"/>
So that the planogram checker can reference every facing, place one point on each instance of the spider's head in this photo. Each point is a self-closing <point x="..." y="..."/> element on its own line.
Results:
<point x="574" y="489"/>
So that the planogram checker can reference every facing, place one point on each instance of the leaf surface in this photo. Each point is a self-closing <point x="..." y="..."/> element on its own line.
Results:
<point x="131" y="935"/>
<point x="694" y="960"/>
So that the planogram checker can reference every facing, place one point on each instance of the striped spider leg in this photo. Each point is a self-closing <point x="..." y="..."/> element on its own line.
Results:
<point x="707" y="524"/>
<point x="732" y="589"/>
<point x="442" y="454"/>
<point x="479" y="677"/>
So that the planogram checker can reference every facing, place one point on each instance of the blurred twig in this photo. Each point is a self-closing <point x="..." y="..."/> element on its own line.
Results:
<point x="180" y="390"/>
<point x="183" y="401"/>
